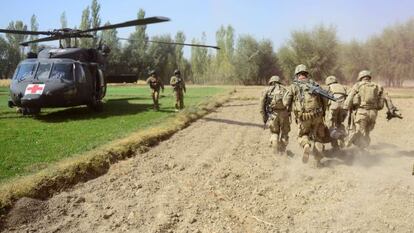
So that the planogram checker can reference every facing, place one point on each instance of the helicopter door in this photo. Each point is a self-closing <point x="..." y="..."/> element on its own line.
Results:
<point x="83" y="86"/>
<point x="101" y="84"/>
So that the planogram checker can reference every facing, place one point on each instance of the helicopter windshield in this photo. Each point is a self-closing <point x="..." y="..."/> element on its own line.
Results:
<point x="62" y="71"/>
<point x="25" y="70"/>
<point x="47" y="71"/>
<point x="43" y="71"/>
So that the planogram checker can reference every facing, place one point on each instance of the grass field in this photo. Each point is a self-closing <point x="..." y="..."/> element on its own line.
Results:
<point x="28" y="144"/>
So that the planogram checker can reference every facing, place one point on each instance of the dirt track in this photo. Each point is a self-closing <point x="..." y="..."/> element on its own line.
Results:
<point x="219" y="175"/>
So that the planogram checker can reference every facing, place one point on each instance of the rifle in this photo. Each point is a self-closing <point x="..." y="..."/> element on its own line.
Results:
<point x="315" y="89"/>
<point x="393" y="114"/>
<point x="350" y="119"/>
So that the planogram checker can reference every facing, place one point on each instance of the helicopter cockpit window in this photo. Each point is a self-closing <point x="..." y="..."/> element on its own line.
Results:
<point x="43" y="71"/>
<point x="80" y="74"/>
<point x="62" y="71"/>
<point x="24" y="71"/>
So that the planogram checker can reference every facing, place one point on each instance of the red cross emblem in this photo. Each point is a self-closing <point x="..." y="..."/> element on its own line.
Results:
<point x="34" y="89"/>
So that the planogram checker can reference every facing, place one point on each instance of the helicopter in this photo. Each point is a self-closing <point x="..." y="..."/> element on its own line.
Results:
<point x="65" y="76"/>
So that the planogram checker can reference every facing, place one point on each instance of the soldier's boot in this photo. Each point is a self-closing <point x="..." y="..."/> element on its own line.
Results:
<point x="274" y="143"/>
<point x="306" y="153"/>
<point x="318" y="159"/>
<point x="341" y="143"/>
<point x="413" y="170"/>
<point x="282" y="146"/>
<point x="335" y="145"/>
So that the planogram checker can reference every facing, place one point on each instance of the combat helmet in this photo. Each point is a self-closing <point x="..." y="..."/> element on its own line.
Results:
<point x="152" y="72"/>
<point x="364" y="73"/>
<point x="177" y="71"/>
<point x="275" y="79"/>
<point x="301" y="69"/>
<point x="330" y="79"/>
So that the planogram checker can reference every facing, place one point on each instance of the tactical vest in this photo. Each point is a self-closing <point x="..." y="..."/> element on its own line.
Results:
<point x="307" y="106"/>
<point x="304" y="101"/>
<point x="177" y="82"/>
<point x="277" y="97"/>
<point x="339" y="92"/>
<point x="154" y="83"/>
<point x="369" y="96"/>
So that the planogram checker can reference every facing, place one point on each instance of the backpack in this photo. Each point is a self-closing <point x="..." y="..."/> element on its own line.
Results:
<point x="339" y="92"/>
<point x="369" y="95"/>
<point x="277" y="97"/>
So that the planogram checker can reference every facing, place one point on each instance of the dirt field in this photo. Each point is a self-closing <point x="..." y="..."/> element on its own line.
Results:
<point x="219" y="175"/>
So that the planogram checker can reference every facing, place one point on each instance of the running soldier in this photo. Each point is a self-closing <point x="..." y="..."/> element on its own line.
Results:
<point x="305" y="98"/>
<point x="364" y="100"/>
<point x="336" y="113"/>
<point x="273" y="111"/>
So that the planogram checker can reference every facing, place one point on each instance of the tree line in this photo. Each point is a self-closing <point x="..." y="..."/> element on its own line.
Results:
<point x="242" y="59"/>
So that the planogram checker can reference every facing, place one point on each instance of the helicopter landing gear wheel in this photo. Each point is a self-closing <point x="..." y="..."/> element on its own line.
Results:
<point x="30" y="111"/>
<point x="95" y="104"/>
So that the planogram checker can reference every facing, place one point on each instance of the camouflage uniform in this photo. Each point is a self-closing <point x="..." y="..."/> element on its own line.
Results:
<point x="365" y="99"/>
<point x="271" y="106"/>
<point x="155" y="85"/>
<point x="336" y="113"/>
<point x="309" y="112"/>
<point x="179" y="89"/>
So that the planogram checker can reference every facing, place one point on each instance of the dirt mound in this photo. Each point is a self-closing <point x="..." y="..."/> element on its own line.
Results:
<point x="219" y="175"/>
<point x="24" y="211"/>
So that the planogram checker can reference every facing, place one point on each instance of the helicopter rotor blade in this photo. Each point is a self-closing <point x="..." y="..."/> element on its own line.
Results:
<point x="51" y="38"/>
<point x="186" y="44"/>
<point x="137" y="22"/>
<point x="26" y="32"/>
<point x="176" y="43"/>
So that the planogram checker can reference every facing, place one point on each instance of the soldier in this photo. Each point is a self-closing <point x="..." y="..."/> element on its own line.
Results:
<point x="179" y="88"/>
<point x="336" y="113"/>
<point x="309" y="110"/>
<point x="155" y="85"/>
<point x="272" y="108"/>
<point x="364" y="100"/>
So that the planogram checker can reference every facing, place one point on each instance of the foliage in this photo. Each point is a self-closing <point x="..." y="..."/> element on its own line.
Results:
<point x="34" y="26"/>
<point x="126" y="110"/>
<point x="317" y="49"/>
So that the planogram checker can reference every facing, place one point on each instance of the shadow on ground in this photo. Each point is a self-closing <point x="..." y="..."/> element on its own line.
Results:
<point x="232" y="122"/>
<point x="112" y="107"/>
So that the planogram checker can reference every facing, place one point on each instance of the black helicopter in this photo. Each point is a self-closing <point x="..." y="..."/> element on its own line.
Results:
<point x="64" y="77"/>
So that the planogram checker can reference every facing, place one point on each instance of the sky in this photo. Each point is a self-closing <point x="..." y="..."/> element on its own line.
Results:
<point x="263" y="19"/>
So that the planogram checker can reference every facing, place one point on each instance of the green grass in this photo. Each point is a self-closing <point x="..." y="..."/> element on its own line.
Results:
<point x="28" y="144"/>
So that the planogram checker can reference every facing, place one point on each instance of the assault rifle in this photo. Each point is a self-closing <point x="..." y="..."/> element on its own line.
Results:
<point x="393" y="114"/>
<point x="315" y="89"/>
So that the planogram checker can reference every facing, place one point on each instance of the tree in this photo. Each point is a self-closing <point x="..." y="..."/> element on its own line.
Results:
<point x="390" y="54"/>
<point x="3" y="57"/>
<point x="135" y="52"/>
<point x="247" y="60"/>
<point x="352" y="58"/>
<point x="85" y="24"/>
<point x="14" y="53"/>
<point x="163" y="57"/>
<point x="179" y="54"/>
<point x="110" y="38"/>
<point x="34" y="26"/>
<point x="64" y="24"/>
<point x="318" y="49"/>
<point x="96" y="21"/>
<point x="199" y="61"/>
<point x="222" y="67"/>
